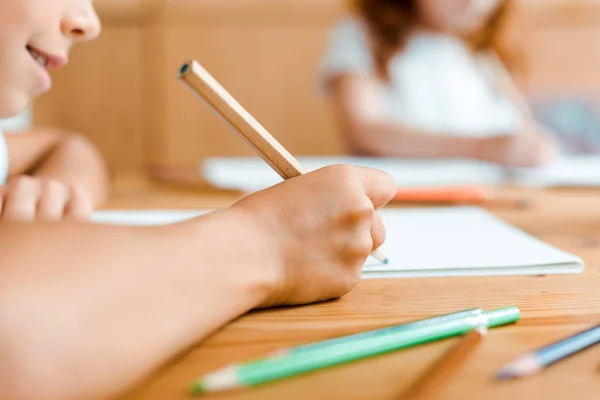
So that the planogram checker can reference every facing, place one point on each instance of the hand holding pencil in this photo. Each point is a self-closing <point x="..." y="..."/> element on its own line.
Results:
<point x="246" y="126"/>
<point x="321" y="225"/>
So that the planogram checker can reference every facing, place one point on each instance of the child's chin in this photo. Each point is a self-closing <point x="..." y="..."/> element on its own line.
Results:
<point x="11" y="106"/>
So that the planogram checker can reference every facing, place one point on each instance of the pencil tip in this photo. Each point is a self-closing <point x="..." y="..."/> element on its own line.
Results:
<point x="386" y="261"/>
<point x="197" y="387"/>
<point x="505" y="375"/>
<point x="184" y="69"/>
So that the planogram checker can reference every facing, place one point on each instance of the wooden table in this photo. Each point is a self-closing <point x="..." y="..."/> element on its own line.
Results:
<point x="552" y="307"/>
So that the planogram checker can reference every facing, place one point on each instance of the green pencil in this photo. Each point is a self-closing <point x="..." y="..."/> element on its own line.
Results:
<point x="271" y="369"/>
<point x="472" y="312"/>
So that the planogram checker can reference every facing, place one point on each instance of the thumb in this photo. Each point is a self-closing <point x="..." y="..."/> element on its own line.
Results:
<point x="379" y="186"/>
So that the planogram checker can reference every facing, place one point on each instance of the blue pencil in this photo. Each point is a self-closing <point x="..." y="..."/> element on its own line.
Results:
<point x="534" y="362"/>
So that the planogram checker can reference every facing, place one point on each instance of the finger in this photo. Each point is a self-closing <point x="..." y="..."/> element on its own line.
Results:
<point x="20" y="202"/>
<point x="379" y="186"/>
<point x="79" y="206"/>
<point x="53" y="199"/>
<point x="377" y="231"/>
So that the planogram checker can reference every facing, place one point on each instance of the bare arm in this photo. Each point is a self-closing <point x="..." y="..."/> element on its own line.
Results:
<point x="358" y="113"/>
<point x="55" y="154"/>
<point x="357" y="110"/>
<point x="500" y="77"/>
<point x="86" y="311"/>
<point x="115" y="302"/>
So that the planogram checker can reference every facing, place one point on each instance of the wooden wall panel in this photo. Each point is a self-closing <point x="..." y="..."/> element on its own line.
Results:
<point x="122" y="90"/>
<point x="266" y="53"/>
<point x="559" y="40"/>
<point x="267" y="57"/>
<point x="98" y="93"/>
<point x="277" y="84"/>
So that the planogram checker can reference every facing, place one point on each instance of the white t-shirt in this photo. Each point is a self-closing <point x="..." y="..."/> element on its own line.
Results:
<point x="3" y="160"/>
<point x="20" y="122"/>
<point x="435" y="82"/>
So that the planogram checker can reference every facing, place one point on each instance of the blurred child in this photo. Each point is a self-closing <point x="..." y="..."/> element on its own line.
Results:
<point x="424" y="78"/>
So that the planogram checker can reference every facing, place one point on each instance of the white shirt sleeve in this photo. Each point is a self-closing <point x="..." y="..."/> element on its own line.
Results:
<point x="347" y="51"/>
<point x="3" y="160"/>
<point x="21" y="122"/>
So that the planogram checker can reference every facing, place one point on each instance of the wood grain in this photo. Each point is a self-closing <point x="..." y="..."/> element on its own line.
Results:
<point x="552" y="307"/>
<point x="434" y="379"/>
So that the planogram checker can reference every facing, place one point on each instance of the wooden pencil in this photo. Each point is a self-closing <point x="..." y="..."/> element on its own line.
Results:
<point x="534" y="362"/>
<point x="270" y="150"/>
<point x="432" y="381"/>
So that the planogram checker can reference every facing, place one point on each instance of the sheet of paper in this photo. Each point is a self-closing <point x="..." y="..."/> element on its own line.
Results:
<point x="144" y="217"/>
<point x="249" y="174"/>
<point x="464" y="241"/>
<point x="580" y="171"/>
<point x="449" y="241"/>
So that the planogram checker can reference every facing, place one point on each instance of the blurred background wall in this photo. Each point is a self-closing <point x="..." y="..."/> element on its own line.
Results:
<point x="122" y="91"/>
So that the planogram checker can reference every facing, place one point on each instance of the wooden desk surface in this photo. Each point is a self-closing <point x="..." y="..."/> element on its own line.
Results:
<point x="552" y="307"/>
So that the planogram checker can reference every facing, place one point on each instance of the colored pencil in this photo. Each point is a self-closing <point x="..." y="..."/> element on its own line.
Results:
<point x="458" y="195"/>
<point x="531" y="363"/>
<point x="271" y="369"/>
<point x="241" y="121"/>
<point x="433" y="380"/>
<point x="473" y="312"/>
<point x="444" y="194"/>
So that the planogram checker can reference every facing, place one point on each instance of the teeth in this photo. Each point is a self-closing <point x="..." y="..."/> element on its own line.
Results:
<point x="39" y="58"/>
<point x="42" y="61"/>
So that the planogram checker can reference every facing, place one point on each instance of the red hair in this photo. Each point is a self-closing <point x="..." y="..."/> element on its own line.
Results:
<point x="391" y="21"/>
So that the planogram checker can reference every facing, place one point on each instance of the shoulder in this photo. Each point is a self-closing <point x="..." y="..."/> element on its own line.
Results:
<point x="347" y="48"/>
<point x="349" y="27"/>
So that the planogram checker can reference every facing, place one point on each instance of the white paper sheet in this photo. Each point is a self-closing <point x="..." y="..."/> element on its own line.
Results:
<point x="449" y="241"/>
<point x="456" y="241"/>
<point x="250" y="174"/>
<point x="144" y="217"/>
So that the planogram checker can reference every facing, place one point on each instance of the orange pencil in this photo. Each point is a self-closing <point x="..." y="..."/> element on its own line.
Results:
<point x="457" y="195"/>
<point x="460" y="194"/>
<point x="433" y="379"/>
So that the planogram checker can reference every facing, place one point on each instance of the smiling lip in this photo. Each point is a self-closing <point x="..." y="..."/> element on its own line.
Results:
<point x="46" y="60"/>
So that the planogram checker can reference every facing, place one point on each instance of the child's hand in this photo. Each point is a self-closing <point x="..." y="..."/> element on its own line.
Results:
<point x="320" y="229"/>
<point x="27" y="198"/>
<point x="519" y="150"/>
